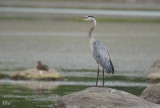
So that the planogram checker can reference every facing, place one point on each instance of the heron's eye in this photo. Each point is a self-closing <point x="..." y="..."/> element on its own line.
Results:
<point x="94" y="43"/>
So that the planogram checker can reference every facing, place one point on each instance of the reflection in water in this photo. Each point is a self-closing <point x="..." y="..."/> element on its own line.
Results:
<point x="34" y="85"/>
<point x="36" y="94"/>
<point x="48" y="85"/>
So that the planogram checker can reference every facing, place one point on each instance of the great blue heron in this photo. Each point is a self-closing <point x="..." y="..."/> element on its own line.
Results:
<point x="41" y="66"/>
<point x="99" y="52"/>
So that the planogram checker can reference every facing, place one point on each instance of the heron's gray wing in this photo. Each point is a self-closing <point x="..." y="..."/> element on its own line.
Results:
<point x="111" y="64"/>
<point x="102" y="57"/>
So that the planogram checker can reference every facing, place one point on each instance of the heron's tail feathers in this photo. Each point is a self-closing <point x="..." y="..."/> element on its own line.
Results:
<point x="110" y="68"/>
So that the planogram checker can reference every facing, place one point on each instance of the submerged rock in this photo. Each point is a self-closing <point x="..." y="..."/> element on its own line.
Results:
<point x="37" y="85"/>
<point x="96" y="97"/>
<point x="154" y="73"/>
<point x="152" y="94"/>
<point x="51" y="74"/>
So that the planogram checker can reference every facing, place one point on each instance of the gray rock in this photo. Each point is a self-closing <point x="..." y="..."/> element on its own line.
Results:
<point x="51" y="74"/>
<point x="154" y="72"/>
<point x="156" y="64"/>
<point x="152" y="94"/>
<point x="95" y="97"/>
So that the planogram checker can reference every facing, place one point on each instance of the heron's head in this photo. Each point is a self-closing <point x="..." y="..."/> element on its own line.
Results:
<point x="87" y="18"/>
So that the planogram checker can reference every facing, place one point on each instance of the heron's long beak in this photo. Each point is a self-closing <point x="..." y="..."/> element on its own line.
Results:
<point x="84" y="19"/>
<point x="79" y="18"/>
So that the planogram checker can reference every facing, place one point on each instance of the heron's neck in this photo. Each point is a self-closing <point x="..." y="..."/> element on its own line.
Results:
<point x="91" y="38"/>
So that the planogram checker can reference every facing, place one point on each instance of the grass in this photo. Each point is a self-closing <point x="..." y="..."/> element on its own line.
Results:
<point x="117" y="20"/>
<point x="108" y="78"/>
<point x="77" y="79"/>
<point x="66" y="89"/>
<point x="128" y="20"/>
<point x="76" y="70"/>
<point x="16" y="18"/>
<point x="133" y="90"/>
<point x="14" y="69"/>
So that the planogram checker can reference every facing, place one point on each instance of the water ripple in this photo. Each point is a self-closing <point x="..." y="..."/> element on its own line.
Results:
<point x="108" y="83"/>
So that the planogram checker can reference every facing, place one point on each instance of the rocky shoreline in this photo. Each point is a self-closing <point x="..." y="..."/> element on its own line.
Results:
<point x="33" y="74"/>
<point x="154" y="72"/>
<point x="96" y="97"/>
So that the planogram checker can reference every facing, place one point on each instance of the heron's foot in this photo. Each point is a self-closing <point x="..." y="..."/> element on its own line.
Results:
<point x="113" y="91"/>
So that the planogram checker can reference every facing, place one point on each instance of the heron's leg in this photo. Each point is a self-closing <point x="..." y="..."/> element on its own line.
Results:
<point x="97" y="74"/>
<point x="103" y="77"/>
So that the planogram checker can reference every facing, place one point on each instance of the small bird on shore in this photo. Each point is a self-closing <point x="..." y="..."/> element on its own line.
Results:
<point x="41" y="66"/>
<point x="99" y="52"/>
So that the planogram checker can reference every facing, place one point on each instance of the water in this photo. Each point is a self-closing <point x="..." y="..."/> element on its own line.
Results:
<point x="82" y="11"/>
<point x="41" y="94"/>
<point x="133" y="46"/>
<point x="63" y="45"/>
